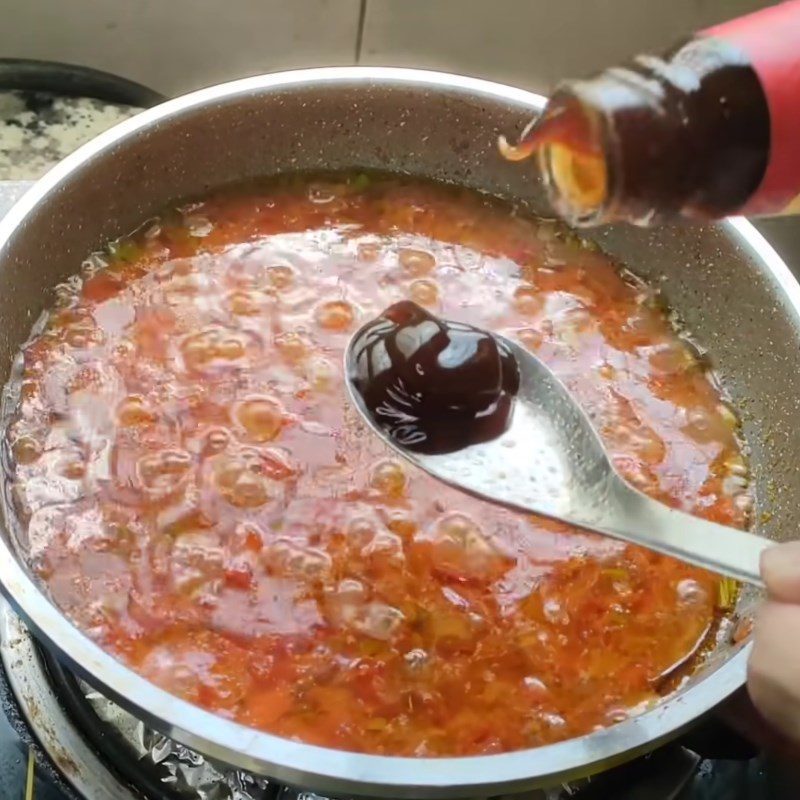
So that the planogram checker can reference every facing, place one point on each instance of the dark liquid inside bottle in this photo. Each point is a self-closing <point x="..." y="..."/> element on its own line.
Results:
<point x="686" y="133"/>
<point x="434" y="386"/>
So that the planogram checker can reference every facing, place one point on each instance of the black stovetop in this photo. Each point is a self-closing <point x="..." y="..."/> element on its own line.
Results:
<point x="14" y="766"/>
<point x="16" y="746"/>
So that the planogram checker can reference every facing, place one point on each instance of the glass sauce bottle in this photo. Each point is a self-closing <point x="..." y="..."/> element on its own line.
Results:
<point x="708" y="129"/>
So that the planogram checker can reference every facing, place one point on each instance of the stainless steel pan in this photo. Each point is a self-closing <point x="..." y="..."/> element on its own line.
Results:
<point x="727" y="284"/>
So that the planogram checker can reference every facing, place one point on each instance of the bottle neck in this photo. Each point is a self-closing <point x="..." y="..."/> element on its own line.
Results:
<point x="683" y="134"/>
<point x="705" y="130"/>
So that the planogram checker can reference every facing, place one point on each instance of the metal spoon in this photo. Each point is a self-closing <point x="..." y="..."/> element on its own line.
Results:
<point x="550" y="461"/>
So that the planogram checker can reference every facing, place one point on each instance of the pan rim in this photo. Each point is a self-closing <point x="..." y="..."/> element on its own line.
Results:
<point x="320" y="768"/>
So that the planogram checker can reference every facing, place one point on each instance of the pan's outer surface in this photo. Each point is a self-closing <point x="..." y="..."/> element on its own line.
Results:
<point x="727" y="284"/>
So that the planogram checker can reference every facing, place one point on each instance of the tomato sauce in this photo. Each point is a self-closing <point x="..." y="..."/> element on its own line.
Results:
<point x="198" y="496"/>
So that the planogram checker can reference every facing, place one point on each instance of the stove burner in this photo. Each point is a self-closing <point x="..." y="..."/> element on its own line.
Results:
<point x="154" y="763"/>
<point x="52" y="729"/>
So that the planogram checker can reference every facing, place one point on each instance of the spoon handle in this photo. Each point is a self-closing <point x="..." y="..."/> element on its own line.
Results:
<point x="635" y="517"/>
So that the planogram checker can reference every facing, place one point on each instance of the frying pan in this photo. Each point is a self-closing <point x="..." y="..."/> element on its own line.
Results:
<point x="726" y="283"/>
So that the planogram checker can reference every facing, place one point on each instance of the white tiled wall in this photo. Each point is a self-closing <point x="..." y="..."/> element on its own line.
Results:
<point x="176" y="45"/>
<point x="531" y="43"/>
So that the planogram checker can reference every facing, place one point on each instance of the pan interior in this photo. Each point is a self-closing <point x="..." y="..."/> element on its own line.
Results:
<point x="718" y="287"/>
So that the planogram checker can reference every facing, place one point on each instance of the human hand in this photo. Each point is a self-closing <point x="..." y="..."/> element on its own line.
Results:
<point x="773" y="676"/>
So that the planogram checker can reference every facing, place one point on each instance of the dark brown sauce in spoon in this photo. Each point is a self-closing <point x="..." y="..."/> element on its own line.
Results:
<point x="432" y="385"/>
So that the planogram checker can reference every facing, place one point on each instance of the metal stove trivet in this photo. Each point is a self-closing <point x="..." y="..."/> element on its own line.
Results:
<point x="157" y="766"/>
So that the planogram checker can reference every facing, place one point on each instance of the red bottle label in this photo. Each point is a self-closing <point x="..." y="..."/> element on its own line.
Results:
<point x="771" y="41"/>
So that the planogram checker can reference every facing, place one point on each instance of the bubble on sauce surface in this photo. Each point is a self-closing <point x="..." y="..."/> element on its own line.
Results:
<point x="246" y="303"/>
<point x="215" y="440"/>
<point x="122" y="350"/>
<point x="26" y="450"/>
<point x="196" y="665"/>
<point x="277" y="463"/>
<point x="530" y="338"/>
<point x="345" y="600"/>
<point x="554" y="612"/>
<point x="415" y="261"/>
<point x="216" y="347"/>
<point x="176" y="674"/>
<point x="528" y="300"/>
<point x="261" y="417"/>
<point x="71" y="468"/>
<point x="280" y="276"/>
<point x="672" y="358"/>
<point x="335" y="315"/>
<point x="241" y="482"/>
<point x="163" y="472"/>
<point x="424" y="292"/>
<point x="377" y="620"/>
<point x="292" y="346"/>
<point x="195" y="559"/>
<point x="463" y="531"/>
<point x="134" y="412"/>
<point x="285" y="557"/>
<point x="362" y="528"/>
<point x="320" y="374"/>
<point x="691" y="593"/>
<point x="198" y="226"/>
<point x="384" y="545"/>
<point x="368" y="251"/>
<point x="320" y="194"/>
<point x="389" y="477"/>
<point x="460" y="547"/>
<point x="186" y="513"/>
<point x="704" y="424"/>
<point x="83" y="336"/>
<point x="183" y="286"/>
<point x="352" y="588"/>
<point x="401" y="522"/>
<point x="416" y="658"/>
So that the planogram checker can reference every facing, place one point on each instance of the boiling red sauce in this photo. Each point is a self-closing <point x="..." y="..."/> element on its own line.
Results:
<point x="199" y="498"/>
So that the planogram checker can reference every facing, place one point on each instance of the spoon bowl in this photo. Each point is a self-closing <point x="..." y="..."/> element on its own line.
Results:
<point x="551" y="461"/>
